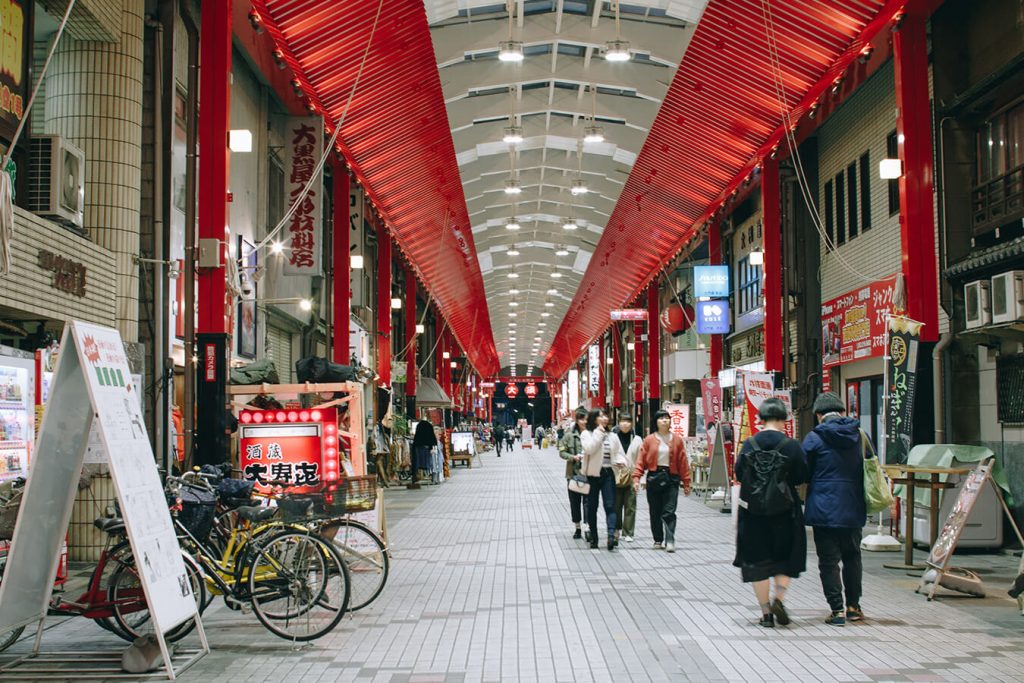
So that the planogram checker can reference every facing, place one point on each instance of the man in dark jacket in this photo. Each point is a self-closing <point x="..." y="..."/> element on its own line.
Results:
<point x="499" y="438"/>
<point x="835" y="504"/>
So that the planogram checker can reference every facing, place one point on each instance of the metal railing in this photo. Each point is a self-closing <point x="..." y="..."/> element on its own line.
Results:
<point x="998" y="201"/>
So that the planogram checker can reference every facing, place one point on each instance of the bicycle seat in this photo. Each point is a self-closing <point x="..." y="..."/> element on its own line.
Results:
<point x="109" y="525"/>
<point x="254" y="513"/>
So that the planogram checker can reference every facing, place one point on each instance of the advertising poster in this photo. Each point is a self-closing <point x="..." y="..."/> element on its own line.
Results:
<point x="757" y="386"/>
<point x="679" y="413"/>
<point x="304" y="142"/>
<point x="901" y="382"/>
<point x="711" y="399"/>
<point x="853" y="326"/>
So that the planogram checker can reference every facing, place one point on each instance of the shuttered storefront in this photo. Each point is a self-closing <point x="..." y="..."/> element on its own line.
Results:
<point x="279" y="350"/>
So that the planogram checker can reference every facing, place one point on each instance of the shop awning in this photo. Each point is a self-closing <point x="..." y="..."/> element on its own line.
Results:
<point x="429" y="394"/>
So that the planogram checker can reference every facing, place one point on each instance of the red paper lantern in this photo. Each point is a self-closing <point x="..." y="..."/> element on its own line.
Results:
<point x="511" y="390"/>
<point x="530" y="390"/>
<point x="676" y="319"/>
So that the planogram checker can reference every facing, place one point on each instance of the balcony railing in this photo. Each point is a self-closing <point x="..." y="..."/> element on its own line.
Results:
<point x="999" y="201"/>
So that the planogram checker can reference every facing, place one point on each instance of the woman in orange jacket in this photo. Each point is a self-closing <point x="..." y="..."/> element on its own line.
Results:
<point x="663" y="458"/>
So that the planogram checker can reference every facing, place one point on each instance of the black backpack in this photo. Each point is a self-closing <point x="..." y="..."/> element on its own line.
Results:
<point x="763" y="485"/>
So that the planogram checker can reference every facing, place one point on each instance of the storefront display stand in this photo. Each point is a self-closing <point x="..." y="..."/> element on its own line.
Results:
<point x="91" y="665"/>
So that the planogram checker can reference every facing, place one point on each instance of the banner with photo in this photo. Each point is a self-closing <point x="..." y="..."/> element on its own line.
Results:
<point x="711" y="399"/>
<point x="902" y="344"/>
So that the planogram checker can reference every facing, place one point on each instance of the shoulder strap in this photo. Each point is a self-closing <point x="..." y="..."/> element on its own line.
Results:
<point x="753" y="440"/>
<point x="865" y="446"/>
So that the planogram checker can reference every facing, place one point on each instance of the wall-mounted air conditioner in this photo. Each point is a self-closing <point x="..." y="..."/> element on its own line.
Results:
<point x="1008" y="297"/>
<point x="976" y="304"/>
<point x="56" y="185"/>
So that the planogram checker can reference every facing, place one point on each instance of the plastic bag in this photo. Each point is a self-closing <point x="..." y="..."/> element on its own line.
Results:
<point x="877" y="495"/>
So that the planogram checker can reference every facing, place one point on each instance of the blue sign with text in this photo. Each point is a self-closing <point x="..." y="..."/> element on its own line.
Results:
<point x="713" y="317"/>
<point x="710" y="282"/>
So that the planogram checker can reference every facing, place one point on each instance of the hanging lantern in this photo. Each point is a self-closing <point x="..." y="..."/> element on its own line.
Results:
<point x="530" y="390"/>
<point x="676" y="319"/>
<point x="511" y="390"/>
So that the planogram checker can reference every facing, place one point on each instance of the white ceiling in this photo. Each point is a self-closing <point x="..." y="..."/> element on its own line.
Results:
<point x="552" y="95"/>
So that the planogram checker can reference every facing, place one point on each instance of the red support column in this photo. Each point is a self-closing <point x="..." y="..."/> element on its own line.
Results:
<point x="714" y="259"/>
<point x="616" y="367"/>
<point x="411" y="343"/>
<point x="914" y="136"/>
<point x="342" y="291"/>
<point x="211" y="444"/>
<point x="654" y="347"/>
<point x="772" y="266"/>
<point x="383" y="304"/>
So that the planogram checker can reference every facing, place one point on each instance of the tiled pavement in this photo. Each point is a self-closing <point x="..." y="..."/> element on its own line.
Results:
<point x="487" y="585"/>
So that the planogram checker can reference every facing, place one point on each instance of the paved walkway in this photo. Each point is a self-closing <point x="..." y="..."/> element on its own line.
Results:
<point x="487" y="584"/>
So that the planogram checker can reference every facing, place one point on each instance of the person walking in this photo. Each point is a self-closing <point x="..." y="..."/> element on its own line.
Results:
<point x="663" y="458"/>
<point x="570" y="448"/>
<point x="770" y="536"/>
<point x="423" y="442"/>
<point x="510" y="436"/>
<point x="625" y="496"/>
<point x="602" y="453"/>
<point x="499" y="438"/>
<point x="835" y="507"/>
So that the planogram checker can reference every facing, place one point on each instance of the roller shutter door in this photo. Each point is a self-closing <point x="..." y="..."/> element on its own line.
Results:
<point x="279" y="350"/>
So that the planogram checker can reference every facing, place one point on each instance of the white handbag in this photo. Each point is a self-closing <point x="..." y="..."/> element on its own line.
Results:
<point x="579" y="484"/>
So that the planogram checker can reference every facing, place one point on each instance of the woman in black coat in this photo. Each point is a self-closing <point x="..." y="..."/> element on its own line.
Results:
<point x="423" y="442"/>
<point x="772" y="545"/>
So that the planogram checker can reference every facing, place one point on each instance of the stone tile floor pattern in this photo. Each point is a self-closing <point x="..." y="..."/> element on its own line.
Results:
<point x="487" y="585"/>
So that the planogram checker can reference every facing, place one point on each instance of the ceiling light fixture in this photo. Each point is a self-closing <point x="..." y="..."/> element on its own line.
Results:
<point x="513" y="276"/>
<point x="549" y="304"/>
<point x="513" y="291"/>
<point x="512" y="224"/>
<point x="513" y="135"/>
<point x="561" y="251"/>
<point x="513" y="304"/>
<point x="593" y="134"/>
<point x="570" y="224"/>
<point x="512" y="251"/>
<point x="510" y="50"/>
<point x="579" y="186"/>
<point x="616" y="50"/>
<point x="545" y="314"/>
<point x="552" y="291"/>
<point x="512" y="186"/>
<point x="556" y="275"/>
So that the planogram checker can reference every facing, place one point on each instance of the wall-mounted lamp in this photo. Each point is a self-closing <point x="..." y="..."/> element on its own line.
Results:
<point x="453" y="365"/>
<point x="396" y="303"/>
<point x="240" y="140"/>
<point x="276" y="247"/>
<point x="420" y="329"/>
<point x="630" y="346"/>
<point x="446" y="355"/>
<point x="304" y="304"/>
<point x="890" y="169"/>
<point x="756" y="257"/>
<point x="356" y="262"/>
<point x="173" y="269"/>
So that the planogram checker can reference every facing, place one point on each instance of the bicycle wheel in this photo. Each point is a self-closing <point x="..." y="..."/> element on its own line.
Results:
<point x="366" y="556"/>
<point x="117" y="557"/>
<point x="129" y="601"/>
<point x="298" y="585"/>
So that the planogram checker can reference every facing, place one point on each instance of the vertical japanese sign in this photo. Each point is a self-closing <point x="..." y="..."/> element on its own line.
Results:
<point x="711" y="395"/>
<point x="303" y="146"/>
<point x="679" y="414"/>
<point x="594" y="358"/>
<point x="13" y="65"/>
<point x="901" y="380"/>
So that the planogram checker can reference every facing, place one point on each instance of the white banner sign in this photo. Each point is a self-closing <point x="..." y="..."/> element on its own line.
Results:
<point x="304" y="143"/>
<point x="595" y="367"/>
<point x="680" y="416"/>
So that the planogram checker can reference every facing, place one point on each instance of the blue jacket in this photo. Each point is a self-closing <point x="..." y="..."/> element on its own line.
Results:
<point x="835" y="494"/>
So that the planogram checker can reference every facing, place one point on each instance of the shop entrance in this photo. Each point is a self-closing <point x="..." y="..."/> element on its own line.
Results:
<point x="864" y="402"/>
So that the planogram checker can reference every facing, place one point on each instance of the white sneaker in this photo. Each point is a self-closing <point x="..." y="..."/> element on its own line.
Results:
<point x="627" y="539"/>
<point x="670" y="547"/>
<point x="658" y="546"/>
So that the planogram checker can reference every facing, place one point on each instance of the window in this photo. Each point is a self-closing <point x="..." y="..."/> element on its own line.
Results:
<point x="852" y="202"/>
<point x="865" y="192"/>
<point x="840" y="209"/>
<point x="830" y="226"/>
<point x="748" y="286"/>
<point x="892" y="152"/>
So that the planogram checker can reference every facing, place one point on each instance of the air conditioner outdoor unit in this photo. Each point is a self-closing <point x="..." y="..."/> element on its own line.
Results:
<point x="1008" y="297"/>
<point x="976" y="306"/>
<point x="57" y="180"/>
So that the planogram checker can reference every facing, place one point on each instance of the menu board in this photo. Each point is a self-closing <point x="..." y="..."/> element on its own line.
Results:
<point x="462" y="442"/>
<point x="954" y="525"/>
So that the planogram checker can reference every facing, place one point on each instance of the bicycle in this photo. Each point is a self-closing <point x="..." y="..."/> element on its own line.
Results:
<point x="295" y="581"/>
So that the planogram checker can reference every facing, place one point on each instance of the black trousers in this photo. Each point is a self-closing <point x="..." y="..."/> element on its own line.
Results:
<point x="663" y="512"/>
<point x="837" y="546"/>
<point x="577" y="504"/>
<point x="497" y="445"/>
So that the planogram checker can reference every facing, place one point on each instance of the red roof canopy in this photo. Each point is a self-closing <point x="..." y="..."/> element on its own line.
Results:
<point x="396" y="139"/>
<point x="721" y="118"/>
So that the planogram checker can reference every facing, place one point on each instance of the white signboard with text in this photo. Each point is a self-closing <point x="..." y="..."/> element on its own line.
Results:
<point x="594" y="358"/>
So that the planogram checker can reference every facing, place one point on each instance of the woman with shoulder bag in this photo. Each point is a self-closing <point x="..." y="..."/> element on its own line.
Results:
<point x="602" y="453"/>
<point x="625" y="496"/>
<point x="571" y="450"/>
<point x="770" y="536"/>
<point x="663" y="458"/>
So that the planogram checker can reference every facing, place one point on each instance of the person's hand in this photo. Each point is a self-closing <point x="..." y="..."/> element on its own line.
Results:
<point x="636" y="487"/>
<point x="686" y="491"/>
<point x="577" y="458"/>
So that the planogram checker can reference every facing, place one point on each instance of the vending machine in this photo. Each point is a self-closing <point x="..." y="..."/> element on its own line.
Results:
<point x="17" y="411"/>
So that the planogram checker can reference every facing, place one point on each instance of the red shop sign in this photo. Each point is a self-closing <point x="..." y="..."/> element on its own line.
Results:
<point x="511" y="390"/>
<point x="300" y="447"/>
<point x="530" y="390"/>
<point x="853" y="325"/>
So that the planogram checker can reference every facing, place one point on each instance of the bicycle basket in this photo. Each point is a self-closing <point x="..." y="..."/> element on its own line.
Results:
<point x="229" y="490"/>
<point x="353" y="494"/>
<point x="10" y="503"/>
<point x="197" y="511"/>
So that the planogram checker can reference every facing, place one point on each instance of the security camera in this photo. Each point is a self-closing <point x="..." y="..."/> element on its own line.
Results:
<point x="246" y="286"/>
<point x="173" y="271"/>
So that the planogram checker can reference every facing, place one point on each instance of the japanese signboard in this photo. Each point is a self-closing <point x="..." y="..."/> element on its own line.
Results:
<point x="713" y="317"/>
<point x="711" y="395"/>
<point x="15" y="41"/>
<point x="295" y="447"/>
<point x="853" y="325"/>
<point x="711" y="282"/>
<point x="679" y="414"/>
<point x="757" y="386"/>
<point x="594" y="367"/>
<point x="901" y="381"/>
<point x="629" y="314"/>
<point x="303" y="146"/>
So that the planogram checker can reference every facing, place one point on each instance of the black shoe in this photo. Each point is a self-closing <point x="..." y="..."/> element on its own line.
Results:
<point x="594" y="545"/>
<point x="1018" y="587"/>
<point x="578" y="534"/>
<point x="767" y="621"/>
<point x="779" y="612"/>
<point x="611" y="544"/>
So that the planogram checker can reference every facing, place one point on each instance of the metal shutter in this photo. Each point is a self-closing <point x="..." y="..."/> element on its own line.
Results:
<point x="279" y="350"/>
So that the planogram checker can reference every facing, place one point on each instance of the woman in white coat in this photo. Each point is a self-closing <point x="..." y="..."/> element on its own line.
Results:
<point x="602" y="455"/>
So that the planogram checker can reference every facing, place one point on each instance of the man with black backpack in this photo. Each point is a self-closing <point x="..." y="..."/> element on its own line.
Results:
<point x="835" y="504"/>
<point x="770" y="538"/>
